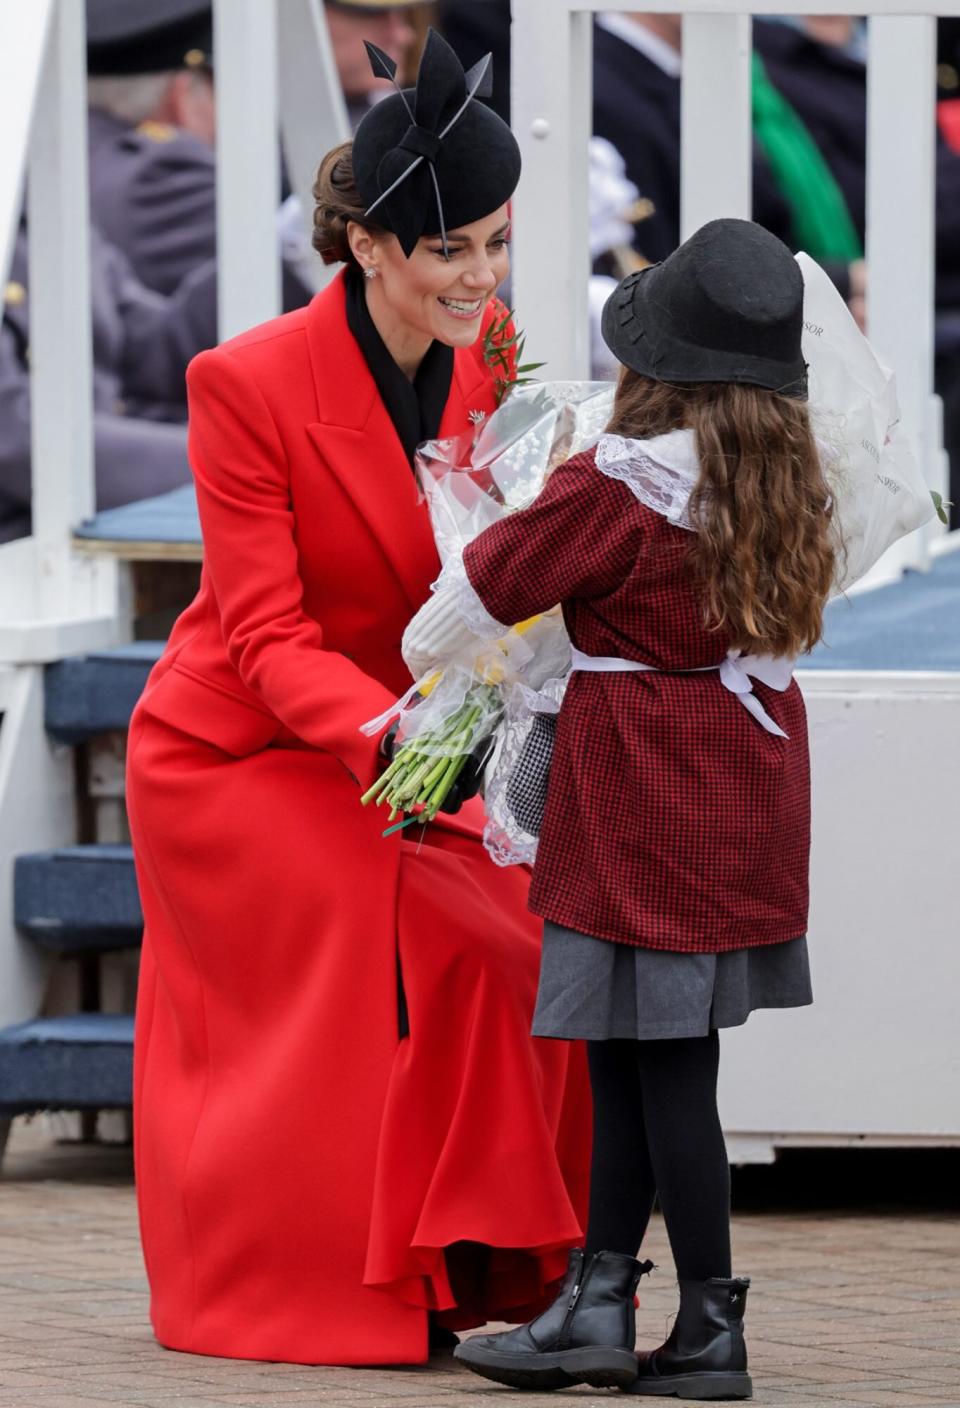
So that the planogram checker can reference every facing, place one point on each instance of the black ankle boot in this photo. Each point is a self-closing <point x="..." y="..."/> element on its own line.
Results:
<point x="586" y="1337"/>
<point x="705" y="1355"/>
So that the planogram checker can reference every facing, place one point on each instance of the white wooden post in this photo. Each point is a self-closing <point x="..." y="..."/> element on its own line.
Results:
<point x="66" y="587"/>
<point x="716" y="143"/>
<point x="248" y="184"/>
<point x="313" y="113"/>
<point x="50" y="600"/>
<point x="36" y="811"/>
<point x="25" y="32"/>
<point x="900" y="232"/>
<point x="552" y="95"/>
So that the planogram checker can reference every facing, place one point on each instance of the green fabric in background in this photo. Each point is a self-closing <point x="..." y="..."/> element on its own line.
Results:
<point x="822" y="224"/>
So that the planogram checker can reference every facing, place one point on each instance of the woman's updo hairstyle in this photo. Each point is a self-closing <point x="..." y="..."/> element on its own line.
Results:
<point x="338" y="202"/>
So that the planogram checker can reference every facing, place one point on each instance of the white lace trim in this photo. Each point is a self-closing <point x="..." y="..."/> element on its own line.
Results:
<point x="661" y="472"/>
<point x="467" y="603"/>
<point x="506" y="840"/>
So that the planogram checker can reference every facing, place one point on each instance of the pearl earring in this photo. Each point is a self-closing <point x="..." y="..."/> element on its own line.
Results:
<point x="370" y="272"/>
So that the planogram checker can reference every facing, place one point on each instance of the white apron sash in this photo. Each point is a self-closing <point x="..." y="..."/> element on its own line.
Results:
<point x="736" y="672"/>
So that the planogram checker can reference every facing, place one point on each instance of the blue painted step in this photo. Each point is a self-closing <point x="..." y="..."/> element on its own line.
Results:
<point x="67" y="1063"/>
<point x="78" y="899"/>
<point x="912" y="624"/>
<point x="167" y="518"/>
<point x="90" y="694"/>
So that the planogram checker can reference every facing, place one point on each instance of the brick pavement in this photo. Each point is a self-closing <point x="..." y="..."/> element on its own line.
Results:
<point x="848" y="1309"/>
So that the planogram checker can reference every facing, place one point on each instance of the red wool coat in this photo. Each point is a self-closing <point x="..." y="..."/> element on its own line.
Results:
<point x="300" y="1169"/>
<point x="673" y="819"/>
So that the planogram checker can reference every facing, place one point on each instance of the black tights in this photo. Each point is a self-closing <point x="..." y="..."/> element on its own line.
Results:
<point x="657" y="1130"/>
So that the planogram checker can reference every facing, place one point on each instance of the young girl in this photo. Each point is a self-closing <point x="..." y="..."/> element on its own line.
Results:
<point x="693" y="553"/>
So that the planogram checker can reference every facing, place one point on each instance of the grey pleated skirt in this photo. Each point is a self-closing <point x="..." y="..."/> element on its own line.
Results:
<point x="595" y="990"/>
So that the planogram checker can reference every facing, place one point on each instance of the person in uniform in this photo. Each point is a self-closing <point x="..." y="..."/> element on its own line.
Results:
<point x="346" y="1139"/>
<point x="948" y="80"/>
<point x="351" y="23"/>
<point x="151" y="132"/>
<point x="636" y="107"/>
<point x="141" y="345"/>
<point x="819" y="65"/>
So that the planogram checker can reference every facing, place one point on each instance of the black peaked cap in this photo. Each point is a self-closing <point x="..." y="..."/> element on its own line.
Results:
<point x="476" y="161"/>
<point x="726" y="306"/>
<point x="148" y="36"/>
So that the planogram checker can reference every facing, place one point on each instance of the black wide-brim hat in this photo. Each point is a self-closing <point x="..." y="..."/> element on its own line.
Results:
<point x="726" y="306"/>
<point x="430" y="159"/>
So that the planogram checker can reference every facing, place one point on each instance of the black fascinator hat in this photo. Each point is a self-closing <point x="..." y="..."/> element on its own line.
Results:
<point x="432" y="158"/>
<point x="726" y="306"/>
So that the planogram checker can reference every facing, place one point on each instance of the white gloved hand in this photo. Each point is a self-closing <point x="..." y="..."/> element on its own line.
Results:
<point x="435" y="634"/>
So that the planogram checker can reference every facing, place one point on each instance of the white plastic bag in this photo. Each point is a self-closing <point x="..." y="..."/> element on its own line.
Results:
<point x="876" y="480"/>
<point x="472" y="480"/>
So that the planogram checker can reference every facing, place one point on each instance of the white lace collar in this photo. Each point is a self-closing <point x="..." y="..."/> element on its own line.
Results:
<point x="661" y="472"/>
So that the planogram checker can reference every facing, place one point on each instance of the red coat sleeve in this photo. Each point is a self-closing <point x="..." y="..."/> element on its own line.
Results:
<point x="243" y="493"/>
<point x="579" y="538"/>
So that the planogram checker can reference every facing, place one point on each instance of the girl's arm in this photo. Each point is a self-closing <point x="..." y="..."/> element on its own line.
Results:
<point x="580" y="538"/>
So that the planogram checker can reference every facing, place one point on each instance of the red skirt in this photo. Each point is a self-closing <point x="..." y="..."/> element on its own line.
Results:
<point x="310" y="1184"/>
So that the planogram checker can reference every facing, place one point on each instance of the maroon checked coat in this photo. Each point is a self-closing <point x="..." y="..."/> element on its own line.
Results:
<point x="674" y="820"/>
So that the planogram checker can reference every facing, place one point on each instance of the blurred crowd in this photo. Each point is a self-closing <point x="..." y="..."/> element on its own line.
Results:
<point x="152" y="142"/>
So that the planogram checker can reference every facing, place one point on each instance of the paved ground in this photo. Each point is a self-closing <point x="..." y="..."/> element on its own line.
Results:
<point x="848" y="1309"/>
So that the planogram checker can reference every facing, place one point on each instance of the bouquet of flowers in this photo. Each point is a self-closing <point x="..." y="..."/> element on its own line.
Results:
<point x="445" y="719"/>
<point x="463" y="711"/>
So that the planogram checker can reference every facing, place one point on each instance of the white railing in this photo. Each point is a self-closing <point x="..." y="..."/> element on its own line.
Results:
<point x="278" y="50"/>
<point x="274" y="65"/>
<point x="552" y="42"/>
<point x="53" y="600"/>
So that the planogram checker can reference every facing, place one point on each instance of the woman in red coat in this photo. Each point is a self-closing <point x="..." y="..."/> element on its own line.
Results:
<point x="342" y="1123"/>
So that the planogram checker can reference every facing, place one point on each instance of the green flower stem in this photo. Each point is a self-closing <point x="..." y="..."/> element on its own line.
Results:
<point x="423" y="771"/>
<point x="381" y="784"/>
<point x="443" y="788"/>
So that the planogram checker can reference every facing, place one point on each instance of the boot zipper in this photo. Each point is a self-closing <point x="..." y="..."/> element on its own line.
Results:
<point x="583" y="1275"/>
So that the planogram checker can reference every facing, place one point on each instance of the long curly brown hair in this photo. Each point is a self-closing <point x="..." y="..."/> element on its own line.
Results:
<point x="765" y="549"/>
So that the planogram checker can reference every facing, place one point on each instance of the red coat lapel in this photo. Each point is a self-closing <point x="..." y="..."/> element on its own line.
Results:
<point x="356" y="440"/>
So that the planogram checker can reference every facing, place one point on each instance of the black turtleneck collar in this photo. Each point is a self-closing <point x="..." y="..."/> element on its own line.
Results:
<point x="415" y="407"/>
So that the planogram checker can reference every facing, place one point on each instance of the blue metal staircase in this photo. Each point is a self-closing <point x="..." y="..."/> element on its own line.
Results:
<point x="78" y="1062"/>
<point x="79" y="903"/>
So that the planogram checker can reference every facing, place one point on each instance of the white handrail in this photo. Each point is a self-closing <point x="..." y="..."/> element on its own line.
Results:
<point x="313" y="111"/>
<point x="769" y="7"/>
<point x="248" y="171"/>
<point x="25" y="30"/>
<point x="552" y="41"/>
<point x="50" y="595"/>
<point x="716" y="172"/>
<point x="900" y="235"/>
<point x="60" y="316"/>
<point x="552" y="91"/>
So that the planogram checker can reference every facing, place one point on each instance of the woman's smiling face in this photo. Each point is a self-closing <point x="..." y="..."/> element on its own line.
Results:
<point x="431" y="297"/>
